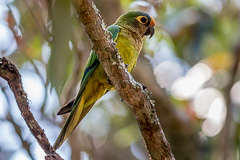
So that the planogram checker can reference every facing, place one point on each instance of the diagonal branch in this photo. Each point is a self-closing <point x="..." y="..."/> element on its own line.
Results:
<point x="131" y="91"/>
<point x="10" y="73"/>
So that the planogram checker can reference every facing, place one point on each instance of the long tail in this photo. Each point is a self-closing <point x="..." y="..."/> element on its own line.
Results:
<point x="71" y="123"/>
<point x="78" y="112"/>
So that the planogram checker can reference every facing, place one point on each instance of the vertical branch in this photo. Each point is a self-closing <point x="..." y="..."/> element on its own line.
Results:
<point x="131" y="91"/>
<point x="227" y="126"/>
<point x="10" y="73"/>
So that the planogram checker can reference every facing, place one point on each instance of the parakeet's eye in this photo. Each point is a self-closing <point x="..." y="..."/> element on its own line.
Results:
<point x="142" y="19"/>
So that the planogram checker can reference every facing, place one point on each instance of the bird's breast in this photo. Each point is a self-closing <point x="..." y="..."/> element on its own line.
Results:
<point x="129" y="49"/>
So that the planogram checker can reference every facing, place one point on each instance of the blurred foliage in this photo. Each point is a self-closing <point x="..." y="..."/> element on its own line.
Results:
<point x="188" y="65"/>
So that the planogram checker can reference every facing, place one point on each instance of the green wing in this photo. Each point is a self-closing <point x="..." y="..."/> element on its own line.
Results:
<point x="91" y="65"/>
<point x="73" y="106"/>
<point x="93" y="61"/>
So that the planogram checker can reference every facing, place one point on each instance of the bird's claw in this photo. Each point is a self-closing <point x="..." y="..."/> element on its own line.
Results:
<point x="109" y="81"/>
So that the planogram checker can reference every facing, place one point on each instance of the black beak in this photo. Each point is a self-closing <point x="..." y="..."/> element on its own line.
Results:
<point x="150" y="31"/>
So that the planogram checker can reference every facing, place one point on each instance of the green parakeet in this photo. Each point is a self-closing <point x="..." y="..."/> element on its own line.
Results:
<point x="128" y="32"/>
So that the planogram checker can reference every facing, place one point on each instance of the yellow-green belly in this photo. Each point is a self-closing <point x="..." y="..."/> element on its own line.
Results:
<point x="98" y="83"/>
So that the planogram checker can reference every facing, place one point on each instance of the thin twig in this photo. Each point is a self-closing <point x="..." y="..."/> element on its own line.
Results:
<point x="10" y="73"/>
<point x="17" y="129"/>
<point x="39" y="24"/>
<point x="45" y="85"/>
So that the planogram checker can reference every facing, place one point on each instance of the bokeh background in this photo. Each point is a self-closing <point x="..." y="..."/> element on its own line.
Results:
<point x="190" y="66"/>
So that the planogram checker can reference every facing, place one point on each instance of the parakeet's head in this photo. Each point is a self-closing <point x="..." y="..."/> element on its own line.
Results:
<point x="138" y="22"/>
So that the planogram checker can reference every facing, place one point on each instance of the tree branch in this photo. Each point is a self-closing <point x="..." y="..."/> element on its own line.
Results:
<point x="227" y="126"/>
<point x="10" y="73"/>
<point x="131" y="91"/>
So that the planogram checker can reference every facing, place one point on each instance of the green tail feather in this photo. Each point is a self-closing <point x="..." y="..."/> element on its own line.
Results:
<point x="63" y="135"/>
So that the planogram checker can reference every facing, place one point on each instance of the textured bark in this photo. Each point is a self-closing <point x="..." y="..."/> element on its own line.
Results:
<point x="132" y="92"/>
<point x="10" y="73"/>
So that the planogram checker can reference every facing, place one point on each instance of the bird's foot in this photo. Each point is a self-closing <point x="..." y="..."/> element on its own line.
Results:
<point x="109" y="81"/>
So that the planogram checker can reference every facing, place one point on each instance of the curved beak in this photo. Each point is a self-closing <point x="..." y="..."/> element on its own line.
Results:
<point x="150" y="31"/>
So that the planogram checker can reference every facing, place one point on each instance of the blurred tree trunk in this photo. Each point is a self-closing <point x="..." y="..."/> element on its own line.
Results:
<point x="179" y="130"/>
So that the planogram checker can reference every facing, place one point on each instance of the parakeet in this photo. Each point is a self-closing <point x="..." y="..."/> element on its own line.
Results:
<point x="128" y="32"/>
